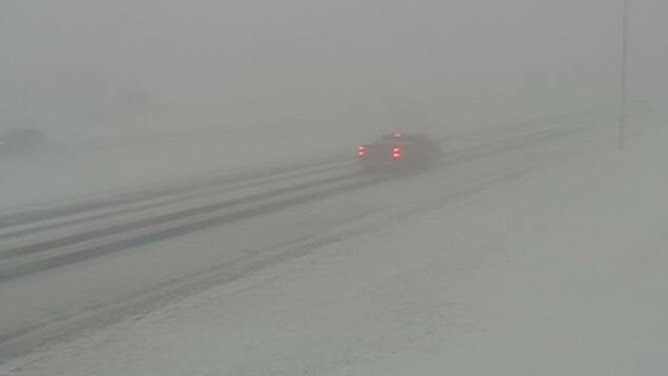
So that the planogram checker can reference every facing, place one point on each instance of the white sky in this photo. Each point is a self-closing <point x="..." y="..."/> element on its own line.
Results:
<point x="93" y="64"/>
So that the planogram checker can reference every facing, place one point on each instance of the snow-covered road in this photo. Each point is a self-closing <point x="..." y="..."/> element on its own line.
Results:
<point x="562" y="271"/>
<point x="370" y="301"/>
<point x="64" y="269"/>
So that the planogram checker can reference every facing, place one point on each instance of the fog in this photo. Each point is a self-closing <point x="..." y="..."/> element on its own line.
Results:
<point x="81" y="68"/>
<point x="151" y="150"/>
<point x="133" y="92"/>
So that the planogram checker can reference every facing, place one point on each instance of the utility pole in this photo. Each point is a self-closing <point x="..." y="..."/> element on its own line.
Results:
<point x="624" y="69"/>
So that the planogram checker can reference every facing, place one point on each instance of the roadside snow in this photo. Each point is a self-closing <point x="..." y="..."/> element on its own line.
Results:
<point x="563" y="273"/>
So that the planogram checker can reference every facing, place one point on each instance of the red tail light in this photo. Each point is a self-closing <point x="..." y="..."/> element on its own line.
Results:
<point x="361" y="151"/>
<point x="396" y="153"/>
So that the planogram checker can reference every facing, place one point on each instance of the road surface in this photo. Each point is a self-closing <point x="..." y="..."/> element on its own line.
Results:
<point x="66" y="268"/>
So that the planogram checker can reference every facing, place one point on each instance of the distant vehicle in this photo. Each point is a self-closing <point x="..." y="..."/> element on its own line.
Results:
<point x="405" y="152"/>
<point x="21" y="140"/>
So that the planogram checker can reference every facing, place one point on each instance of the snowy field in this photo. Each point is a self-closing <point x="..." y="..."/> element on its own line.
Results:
<point x="563" y="271"/>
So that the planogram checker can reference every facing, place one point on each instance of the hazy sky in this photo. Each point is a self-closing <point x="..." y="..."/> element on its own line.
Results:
<point x="102" y="63"/>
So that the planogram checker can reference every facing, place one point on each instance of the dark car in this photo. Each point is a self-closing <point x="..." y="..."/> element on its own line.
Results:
<point x="21" y="140"/>
<point x="400" y="152"/>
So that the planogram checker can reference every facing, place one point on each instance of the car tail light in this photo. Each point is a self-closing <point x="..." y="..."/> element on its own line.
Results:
<point x="361" y="151"/>
<point x="396" y="153"/>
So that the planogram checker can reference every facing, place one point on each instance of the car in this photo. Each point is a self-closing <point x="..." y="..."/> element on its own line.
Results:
<point x="21" y="140"/>
<point x="405" y="152"/>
